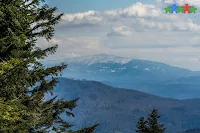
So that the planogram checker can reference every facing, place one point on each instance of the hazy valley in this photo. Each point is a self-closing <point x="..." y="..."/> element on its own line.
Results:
<point x="138" y="82"/>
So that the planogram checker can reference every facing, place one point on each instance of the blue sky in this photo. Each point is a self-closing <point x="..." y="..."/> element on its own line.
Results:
<point x="128" y="28"/>
<point x="73" y="6"/>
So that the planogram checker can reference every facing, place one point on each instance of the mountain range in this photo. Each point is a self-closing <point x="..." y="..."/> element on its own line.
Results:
<point x="146" y="76"/>
<point x="118" y="110"/>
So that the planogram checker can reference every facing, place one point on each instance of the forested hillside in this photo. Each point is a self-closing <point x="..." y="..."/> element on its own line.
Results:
<point x="121" y="108"/>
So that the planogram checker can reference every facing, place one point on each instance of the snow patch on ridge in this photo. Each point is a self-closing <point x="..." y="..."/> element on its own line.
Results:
<point x="101" y="58"/>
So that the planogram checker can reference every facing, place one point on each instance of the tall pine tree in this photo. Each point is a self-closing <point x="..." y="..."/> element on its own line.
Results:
<point x="142" y="126"/>
<point x="23" y="83"/>
<point x="151" y="124"/>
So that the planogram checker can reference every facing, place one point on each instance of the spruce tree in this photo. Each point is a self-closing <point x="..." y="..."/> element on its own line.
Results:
<point x="142" y="126"/>
<point x="23" y="77"/>
<point x="151" y="124"/>
<point x="10" y="114"/>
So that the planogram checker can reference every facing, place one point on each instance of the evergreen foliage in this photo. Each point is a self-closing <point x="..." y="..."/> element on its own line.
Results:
<point x="151" y="124"/>
<point x="22" y="105"/>
<point x="142" y="126"/>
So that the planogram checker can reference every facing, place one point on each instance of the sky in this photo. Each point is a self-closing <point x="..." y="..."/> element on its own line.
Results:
<point x="138" y="29"/>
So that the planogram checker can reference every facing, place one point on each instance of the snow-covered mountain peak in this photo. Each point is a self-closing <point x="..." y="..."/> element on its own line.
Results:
<point x="100" y="58"/>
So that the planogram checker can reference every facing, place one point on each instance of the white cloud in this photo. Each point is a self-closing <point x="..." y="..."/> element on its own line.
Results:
<point x="190" y="2"/>
<point x="154" y="40"/>
<point x="141" y="10"/>
<point x="136" y="10"/>
<point x="186" y="25"/>
<point x="181" y="2"/>
<point x="140" y="17"/>
<point x="90" y="17"/>
<point x="120" y="30"/>
<point x="167" y="1"/>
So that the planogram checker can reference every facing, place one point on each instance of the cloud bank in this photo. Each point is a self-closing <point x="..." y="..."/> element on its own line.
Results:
<point x="144" y="17"/>
<point x="141" y="31"/>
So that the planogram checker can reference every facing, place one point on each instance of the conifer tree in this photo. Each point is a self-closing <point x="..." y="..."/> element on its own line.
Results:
<point x="142" y="126"/>
<point x="151" y="124"/>
<point x="152" y="121"/>
<point x="22" y="22"/>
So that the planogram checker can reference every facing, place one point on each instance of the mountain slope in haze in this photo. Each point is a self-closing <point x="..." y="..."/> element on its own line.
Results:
<point x="146" y="76"/>
<point x="108" y="67"/>
<point x="104" y="67"/>
<point x="120" y="109"/>
<point x="192" y="131"/>
<point x="171" y="89"/>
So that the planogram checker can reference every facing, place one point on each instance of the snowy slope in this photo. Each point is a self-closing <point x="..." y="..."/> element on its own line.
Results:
<point x="100" y="58"/>
<point x="107" y="65"/>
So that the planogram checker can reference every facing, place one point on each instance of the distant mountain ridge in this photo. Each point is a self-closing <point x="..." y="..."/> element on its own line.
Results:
<point x="109" y="64"/>
<point x="101" y="58"/>
<point x="147" y="76"/>
<point x="104" y="59"/>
